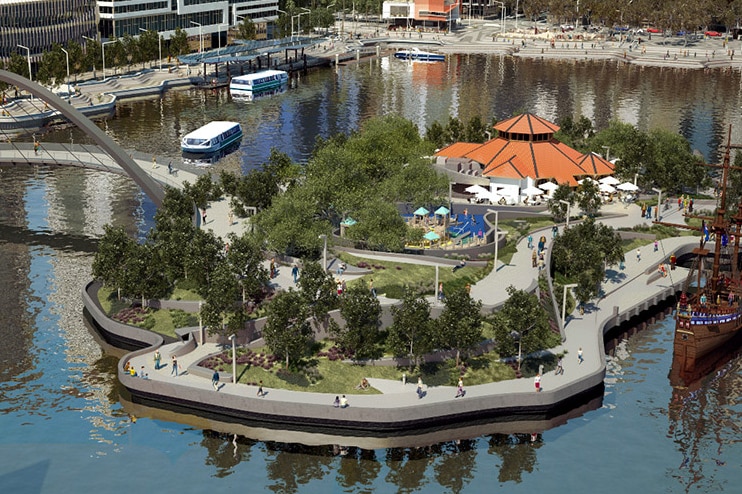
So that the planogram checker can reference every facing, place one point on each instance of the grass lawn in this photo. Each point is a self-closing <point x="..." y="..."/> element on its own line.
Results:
<point x="391" y="278"/>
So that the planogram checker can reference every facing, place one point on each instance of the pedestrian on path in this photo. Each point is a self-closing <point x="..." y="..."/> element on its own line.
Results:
<point x="170" y="167"/>
<point x="215" y="380"/>
<point x="371" y="287"/>
<point x="36" y="146"/>
<point x="230" y="217"/>
<point x="154" y="162"/>
<point x="203" y="216"/>
<point x="580" y="359"/>
<point x="554" y="231"/>
<point x="559" y="367"/>
<point x="537" y="382"/>
<point x="530" y="241"/>
<point x="656" y="246"/>
<point x="638" y="254"/>
<point x="673" y="260"/>
<point x="534" y="258"/>
<point x="440" y="291"/>
<point x="295" y="273"/>
<point x="460" y="388"/>
<point x="157" y="359"/>
<point x="174" y="369"/>
<point x="261" y="393"/>
<point x="419" y="387"/>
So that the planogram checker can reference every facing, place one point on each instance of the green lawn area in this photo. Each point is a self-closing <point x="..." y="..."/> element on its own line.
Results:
<point x="391" y="278"/>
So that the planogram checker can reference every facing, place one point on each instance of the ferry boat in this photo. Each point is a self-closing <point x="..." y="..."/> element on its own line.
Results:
<point x="245" y="86"/>
<point x="709" y="311"/>
<point x="420" y="56"/>
<point x="212" y="137"/>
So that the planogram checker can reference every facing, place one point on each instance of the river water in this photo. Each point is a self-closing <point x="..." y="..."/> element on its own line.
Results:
<point x="65" y="428"/>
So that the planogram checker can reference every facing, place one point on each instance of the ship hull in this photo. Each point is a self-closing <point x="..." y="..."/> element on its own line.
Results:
<point x="699" y="348"/>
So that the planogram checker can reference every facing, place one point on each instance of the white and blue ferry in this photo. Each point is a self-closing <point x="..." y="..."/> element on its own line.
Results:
<point x="245" y="86"/>
<point x="418" y="55"/>
<point x="212" y="137"/>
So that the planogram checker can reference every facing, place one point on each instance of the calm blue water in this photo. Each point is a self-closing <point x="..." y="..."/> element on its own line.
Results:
<point x="63" y="427"/>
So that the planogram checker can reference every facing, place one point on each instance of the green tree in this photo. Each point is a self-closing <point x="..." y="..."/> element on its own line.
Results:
<point x="588" y="197"/>
<point x="245" y="257"/>
<point x="287" y="330"/>
<point x="362" y="314"/>
<point x="149" y="46"/>
<point x="436" y="134"/>
<point x="522" y="318"/>
<point x="410" y="334"/>
<point x="626" y="143"/>
<point x="178" y="42"/>
<point x="203" y="191"/>
<point x="459" y="326"/>
<point x="53" y="67"/>
<point x="222" y="314"/>
<point x="93" y="55"/>
<point x="200" y="258"/>
<point x="114" y="252"/>
<point x="575" y="134"/>
<point x="557" y="209"/>
<point x="319" y="290"/>
<point x="475" y="130"/>
<point x="77" y="58"/>
<point x="454" y="130"/>
<point x="673" y="165"/>
<point x="18" y="64"/>
<point x="247" y="29"/>
<point x="144" y="276"/>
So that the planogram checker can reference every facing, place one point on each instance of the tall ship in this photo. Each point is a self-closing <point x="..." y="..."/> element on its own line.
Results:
<point x="709" y="312"/>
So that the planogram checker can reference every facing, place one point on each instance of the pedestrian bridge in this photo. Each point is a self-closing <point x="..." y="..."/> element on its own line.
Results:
<point x="92" y="157"/>
<point x="108" y="155"/>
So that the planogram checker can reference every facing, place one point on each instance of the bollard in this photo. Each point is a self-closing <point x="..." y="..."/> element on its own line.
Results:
<point x="378" y="50"/>
<point x="358" y="54"/>
<point x="337" y="59"/>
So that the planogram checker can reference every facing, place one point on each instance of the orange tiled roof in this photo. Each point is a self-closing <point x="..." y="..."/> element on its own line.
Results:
<point x="540" y="159"/>
<point x="526" y="123"/>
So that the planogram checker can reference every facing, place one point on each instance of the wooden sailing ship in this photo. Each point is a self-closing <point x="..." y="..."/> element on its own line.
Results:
<point x="709" y="313"/>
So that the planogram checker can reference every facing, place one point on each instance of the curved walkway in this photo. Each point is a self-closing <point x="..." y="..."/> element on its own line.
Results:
<point x="628" y="293"/>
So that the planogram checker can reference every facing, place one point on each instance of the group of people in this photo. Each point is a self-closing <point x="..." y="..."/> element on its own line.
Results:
<point x="538" y="257"/>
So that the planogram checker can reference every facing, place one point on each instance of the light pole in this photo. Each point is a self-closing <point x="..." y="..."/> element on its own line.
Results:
<point x="607" y="152"/>
<point x="636" y="176"/>
<point x="219" y="51"/>
<point x="292" y="22"/>
<point x="569" y="206"/>
<point x="298" y="19"/>
<point x="502" y="21"/>
<point x="659" y="202"/>
<point x="234" y="359"/>
<point x="159" y="47"/>
<point x="324" y="252"/>
<point x="200" y="323"/>
<point x="200" y="37"/>
<point x="516" y="14"/>
<point x="28" y="58"/>
<point x="521" y="334"/>
<point x="86" y="50"/>
<point x="564" y="302"/>
<point x="497" y="237"/>
<point x="67" y="56"/>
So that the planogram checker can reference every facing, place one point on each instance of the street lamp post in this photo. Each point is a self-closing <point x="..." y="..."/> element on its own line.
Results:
<point x="86" y="50"/>
<point x="520" y="335"/>
<point x="659" y="203"/>
<point x="28" y="58"/>
<point x="564" y="302"/>
<point x="497" y="237"/>
<point x="502" y="21"/>
<point x="234" y="359"/>
<point x="607" y="152"/>
<point x="103" y="51"/>
<point x="569" y="206"/>
<point x="292" y="22"/>
<point x="67" y="56"/>
<point x="324" y="252"/>
<point x="219" y="51"/>
<point x="200" y="37"/>
<point x="200" y="323"/>
<point x="298" y="19"/>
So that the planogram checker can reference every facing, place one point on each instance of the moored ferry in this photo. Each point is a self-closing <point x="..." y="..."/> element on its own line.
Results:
<point x="245" y="86"/>
<point x="418" y="55"/>
<point x="212" y="137"/>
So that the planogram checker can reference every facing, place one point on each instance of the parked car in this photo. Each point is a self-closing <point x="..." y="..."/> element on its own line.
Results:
<point x="654" y="30"/>
<point x="712" y="34"/>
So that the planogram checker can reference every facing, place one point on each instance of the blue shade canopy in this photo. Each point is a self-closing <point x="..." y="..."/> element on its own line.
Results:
<point x="443" y="211"/>
<point x="421" y="211"/>
<point x="348" y="221"/>
<point x="432" y="236"/>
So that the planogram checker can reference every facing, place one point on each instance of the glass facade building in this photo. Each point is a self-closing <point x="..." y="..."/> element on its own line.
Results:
<point x="38" y="24"/>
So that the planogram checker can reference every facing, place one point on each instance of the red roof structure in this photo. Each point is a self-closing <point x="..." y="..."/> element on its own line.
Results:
<point x="526" y="147"/>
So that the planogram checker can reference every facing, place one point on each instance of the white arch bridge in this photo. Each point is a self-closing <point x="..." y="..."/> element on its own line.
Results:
<point x="105" y="155"/>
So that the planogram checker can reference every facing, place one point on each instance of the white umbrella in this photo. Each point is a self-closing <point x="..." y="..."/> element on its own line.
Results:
<point x="627" y="187"/>
<point x="548" y="186"/>
<point x="532" y="191"/>
<point x="476" y="189"/>
<point x="608" y="189"/>
<point x="584" y="179"/>
<point x="609" y="180"/>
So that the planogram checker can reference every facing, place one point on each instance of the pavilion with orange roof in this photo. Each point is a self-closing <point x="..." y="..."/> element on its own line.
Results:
<point x="524" y="154"/>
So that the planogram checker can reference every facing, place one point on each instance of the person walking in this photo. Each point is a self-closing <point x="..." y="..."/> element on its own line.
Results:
<point x="534" y="258"/>
<point x="170" y="167"/>
<point x="419" y="387"/>
<point x="295" y="273"/>
<point x="638" y="254"/>
<point x="460" y="388"/>
<point x="559" y="367"/>
<point x="371" y="287"/>
<point x="215" y="380"/>
<point x="580" y="359"/>
<point x="174" y="369"/>
<point x="36" y="146"/>
<point x="261" y="393"/>
<point x="157" y="359"/>
<point x="537" y="382"/>
<point x="530" y="241"/>
<point x="656" y="245"/>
